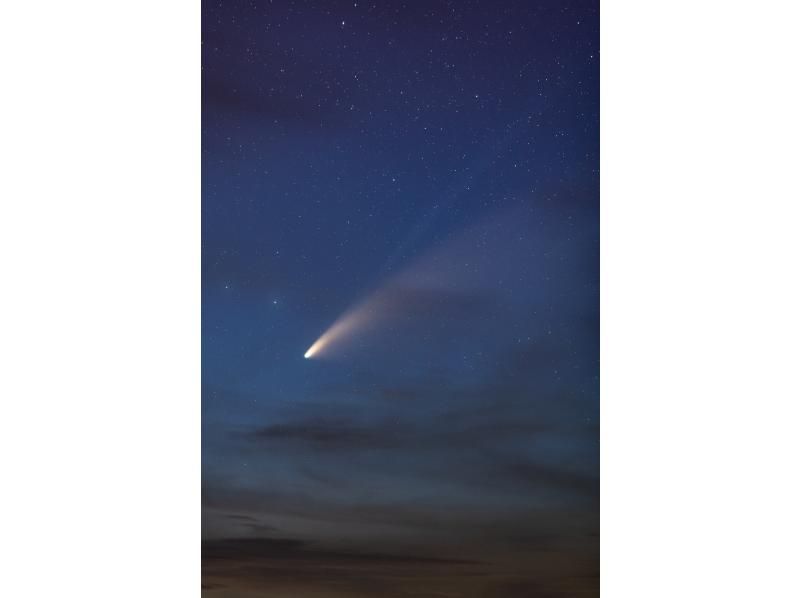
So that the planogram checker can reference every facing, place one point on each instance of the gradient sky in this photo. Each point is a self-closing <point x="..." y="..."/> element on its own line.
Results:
<point x="436" y="166"/>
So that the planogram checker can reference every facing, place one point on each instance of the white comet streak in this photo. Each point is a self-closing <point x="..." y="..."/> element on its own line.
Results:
<point x="455" y="266"/>
<point x="340" y="328"/>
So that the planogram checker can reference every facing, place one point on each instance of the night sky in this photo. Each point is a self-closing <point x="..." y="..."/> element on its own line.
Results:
<point x="426" y="175"/>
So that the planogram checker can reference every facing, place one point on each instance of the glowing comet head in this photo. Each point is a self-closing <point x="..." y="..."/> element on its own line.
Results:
<point x="340" y="328"/>
<point x="315" y="348"/>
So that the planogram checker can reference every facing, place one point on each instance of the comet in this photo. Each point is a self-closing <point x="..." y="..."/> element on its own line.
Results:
<point x="453" y="268"/>
<point x="314" y="349"/>
<point x="348" y="322"/>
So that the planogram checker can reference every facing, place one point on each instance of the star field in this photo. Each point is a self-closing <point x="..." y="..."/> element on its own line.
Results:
<point x="434" y="165"/>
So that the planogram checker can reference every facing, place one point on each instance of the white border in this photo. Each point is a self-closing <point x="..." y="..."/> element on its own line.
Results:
<point x="100" y="326"/>
<point x="699" y="168"/>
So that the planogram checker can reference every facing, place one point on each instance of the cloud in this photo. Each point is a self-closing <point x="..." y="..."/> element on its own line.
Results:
<point x="430" y="522"/>
<point x="285" y="566"/>
<point x="451" y="429"/>
<point x="327" y="435"/>
<point x="252" y="524"/>
<point x="229" y="96"/>
<point x="291" y="548"/>
<point x="538" y="475"/>
<point x="263" y="89"/>
<point x="242" y="548"/>
<point x="288" y="566"/>
<point x="245" y="518"/>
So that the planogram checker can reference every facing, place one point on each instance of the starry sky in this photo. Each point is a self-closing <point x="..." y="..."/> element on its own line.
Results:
<point x="427" y="172"/>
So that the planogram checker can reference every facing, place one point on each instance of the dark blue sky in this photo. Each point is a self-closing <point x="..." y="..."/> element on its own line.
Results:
<point x="434" y="165"/>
